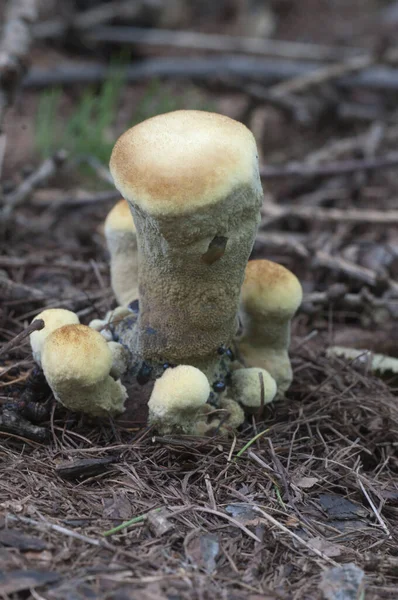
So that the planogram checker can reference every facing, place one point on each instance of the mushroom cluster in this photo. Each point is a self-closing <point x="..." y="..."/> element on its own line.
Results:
<point x="179" y="243"/>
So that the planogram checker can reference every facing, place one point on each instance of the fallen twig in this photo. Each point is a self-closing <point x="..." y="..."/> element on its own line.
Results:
<point x="298" y="539"/>
<point x="332" y="215"/>
<point x="35" y="326"/>
<point x="10" y="290"/>
<point x="93" y="17"/>
<point x="234" y="66"/>
<point x="327" y="170"/>
<point x="46" y="170"/>
<point x="12" y="262"/>
<point x="221" y="43"/>
<point x="368" y="276"/>
<point x="328" y="73"/>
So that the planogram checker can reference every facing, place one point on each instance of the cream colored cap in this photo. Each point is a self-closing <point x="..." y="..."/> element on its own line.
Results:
<point x="180" y="389"/>
<point x="270" y="288"/>
<point x="119" y="218"/>
<point x="175" y="163"/>
<point x="53" y="319"/>
<point x="78" y="354"/>
<point x="250" y="384"/>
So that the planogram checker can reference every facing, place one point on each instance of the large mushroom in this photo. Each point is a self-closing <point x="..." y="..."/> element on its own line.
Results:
<point x="192" y="182"/>
<point x="270" y="297"/>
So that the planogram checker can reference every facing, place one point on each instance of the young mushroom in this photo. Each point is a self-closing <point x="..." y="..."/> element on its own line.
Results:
<point x="270" y="297"/>
<point x="77" y="364"/>
<point x="121" y="240"/>
<point x="53" y="319"/>
<point x="192" y="181"/>
<point x="253" y="388"/>
<point x="177" y="399"/>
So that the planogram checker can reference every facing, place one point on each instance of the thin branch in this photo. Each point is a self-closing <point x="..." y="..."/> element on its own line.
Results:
<point x="46" y="525"/>
<point x="46" y="170"/>
<point x="302" y="83"/>
<point x="331" y="215"/>
<point x="298" y="539"/>
<point x="194" y="68"/>
<point x="343" y="167"/>
<point x="373" y="507"/>
<point x="222" y="43"/>
<point x="35" y="326"/>
<point x="363" y="274"/>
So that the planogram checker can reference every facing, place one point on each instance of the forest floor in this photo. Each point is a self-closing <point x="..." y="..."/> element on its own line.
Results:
<point x="288" y="515"/>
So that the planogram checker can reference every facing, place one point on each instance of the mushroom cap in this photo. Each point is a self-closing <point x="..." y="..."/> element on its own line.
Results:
<point x="178" y="162"/>
<point x="119" y="218"/>
<point x="247" y="387"/>
<point x="53" y="319"/>
<point x="78" y="354"/>
<point x="270" y="288"/>
<point x="179" y="389"/>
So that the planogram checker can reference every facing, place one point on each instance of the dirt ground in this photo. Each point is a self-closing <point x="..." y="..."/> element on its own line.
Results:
<point x="218" y="518"/>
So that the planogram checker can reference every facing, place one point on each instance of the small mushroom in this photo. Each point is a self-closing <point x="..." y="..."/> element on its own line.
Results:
<point x="192" y="181"/>
<point x="77" y="363"/>
<point x="53" y="319"/>
<point x="121" y="240"/>
<point x="112" y="320"/>
<point x="270" y="297"/>
<point x="177" y="399"/>
<point x="253" y="387"/>
<point x="222" y="421"/>
<point x="120" y="359"/>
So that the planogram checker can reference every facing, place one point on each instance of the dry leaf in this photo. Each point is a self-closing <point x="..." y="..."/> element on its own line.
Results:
<point x="306" y="482"/>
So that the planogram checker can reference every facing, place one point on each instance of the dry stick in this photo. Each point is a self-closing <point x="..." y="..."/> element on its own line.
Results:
<point x="45" y="525"/>
<point x="14" y="49"/>
<point x="35" y="326"/>
<point x="280" y="241"/>
<point x="328" y="170"/>
<point x="18" y="291"/>
<point x="46" y="170"/>
<point x="322" y="259"/>
<point x="194" y="68"/>
<point x="228" y="518"/>
<point x="302" y="83"/>
<point x="30" y="261"/>
<point x="331" y="215"/>
<point x="373" y="507"/>
<point x="93" y="17"/>
<point x="273" y="521"/>
<point x="221" y="43"/>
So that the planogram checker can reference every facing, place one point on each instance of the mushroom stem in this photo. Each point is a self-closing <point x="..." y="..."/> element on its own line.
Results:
<point x="188" y="307"/>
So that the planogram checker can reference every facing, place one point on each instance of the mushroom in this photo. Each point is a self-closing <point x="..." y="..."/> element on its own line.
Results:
<point x="77" y="363"/>
<point x="220" y="421"/>
<point x="112" y="320"/>
<point x="121" y="240"/>
<point x="270" y="296"/>
<point x="192" y="181"/>
<point x="53" y="319"/>
<point x="252" y="388"/>
<point x="120" y="359"/>
<point x="177" y="399"/>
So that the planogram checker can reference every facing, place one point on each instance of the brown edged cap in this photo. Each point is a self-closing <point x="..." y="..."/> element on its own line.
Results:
<point x="270" y="288"/>
<point x="178" y="162"/>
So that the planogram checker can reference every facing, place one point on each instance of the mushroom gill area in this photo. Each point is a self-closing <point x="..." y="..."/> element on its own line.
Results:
<point x="201" y="333"/>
